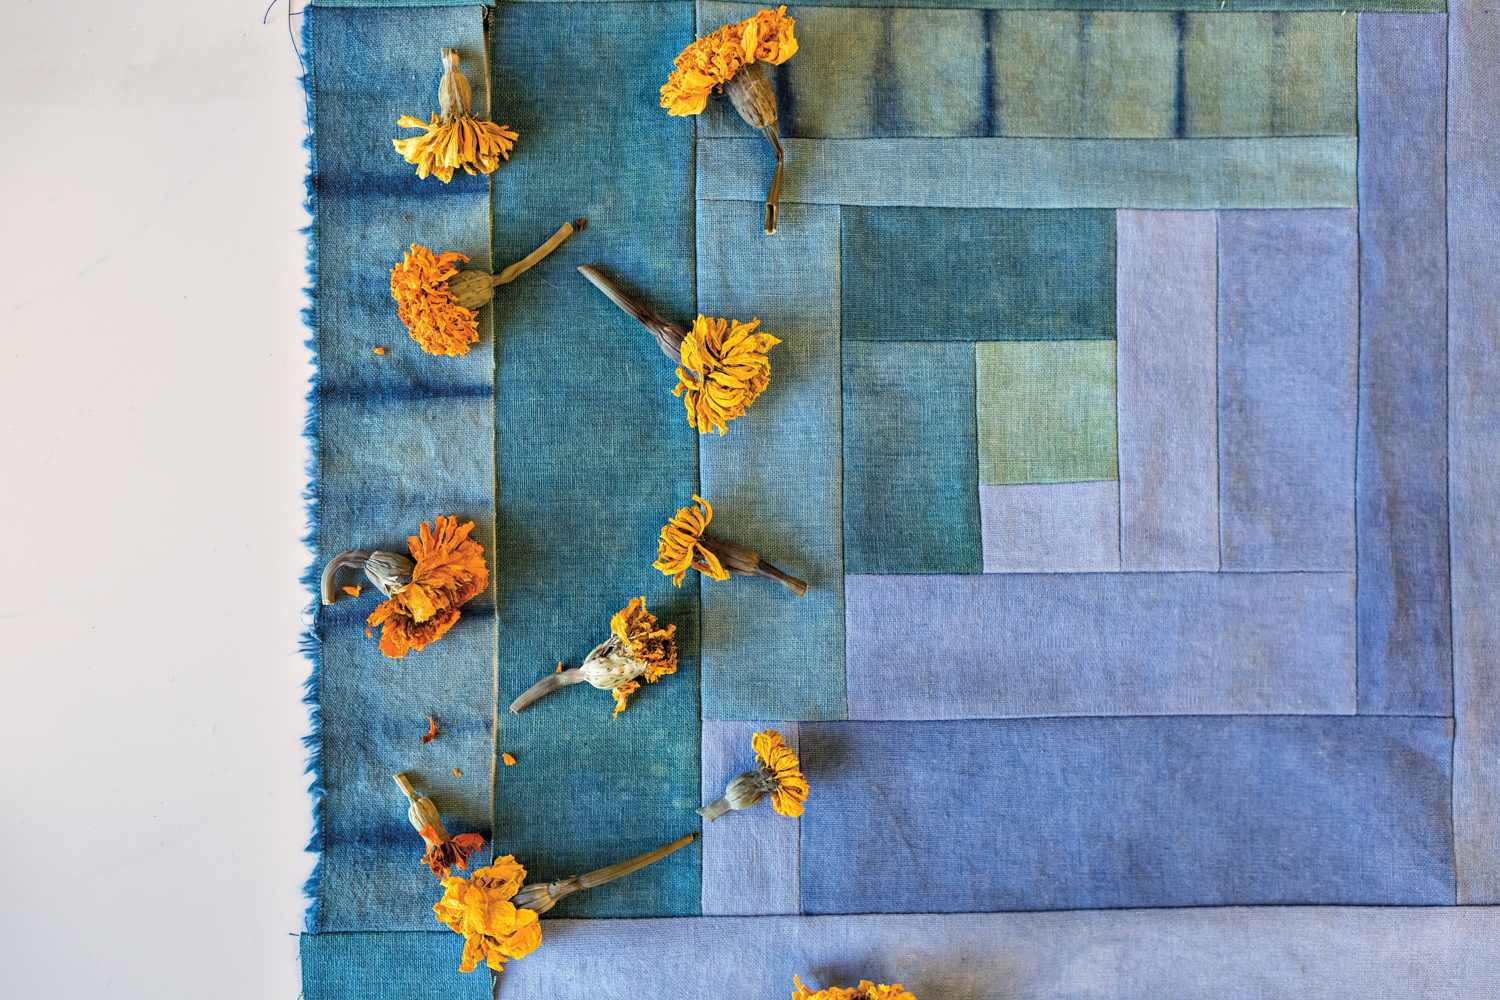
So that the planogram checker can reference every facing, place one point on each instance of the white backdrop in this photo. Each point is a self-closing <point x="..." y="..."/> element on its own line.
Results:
<point x="152" y="376"/>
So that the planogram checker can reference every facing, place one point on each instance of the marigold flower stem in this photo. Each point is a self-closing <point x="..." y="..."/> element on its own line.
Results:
<point x="669" y="336"/>
<point x="546" y="686"/>
<point x="530" y="260"/>
<point x="773" y="196"/>
<point x="542" y="896"/>
<point x="738" y="559"/>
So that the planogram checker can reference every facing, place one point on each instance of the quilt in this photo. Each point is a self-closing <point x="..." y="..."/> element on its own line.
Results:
<point x="1133" y="424"/>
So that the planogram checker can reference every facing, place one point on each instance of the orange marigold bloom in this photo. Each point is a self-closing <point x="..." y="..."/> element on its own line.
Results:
<point x="457" y="139"/>
<point x="646" y="644"/>
<point x="432" y="315"/>
<point x="450" y="569"/>
<point x="865" y="991"/>
<point x="789" y="787"/>
<point x="445" y="853"/>
<point x="494" y="929"/>
<point x="681" y="546"/>
<point x="729" y="369"/>
<point x="710" y="62"/>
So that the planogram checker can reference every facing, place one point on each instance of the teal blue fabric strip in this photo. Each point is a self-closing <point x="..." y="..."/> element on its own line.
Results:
<point x="1297" y="172"/>
<point x="1007" y="274"/>
<point x="1473" y="444"/>
<point x="1055" y="73"/>
<point x="402" y="438"/>
<point x="1313" y="952"/>
<point x="774" y="478"/>
<point x="911" y="461"/>
<point x="389" y="967"/>
<point x="593" y="452"/>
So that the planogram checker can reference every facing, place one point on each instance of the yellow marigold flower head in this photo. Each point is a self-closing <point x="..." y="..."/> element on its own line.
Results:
<point x="865" y="991"/>
<point x="456" y="140"/>
<point x="710" y="62"/>
<point x="681" y="547"/>
<point x="724" y="368"/>
<point x="789" y="790"/>
<point x="426" y="304"/>
<point x="654" y="647"/>
<point x="449" y="571"/>
<point x="494" y="929"/>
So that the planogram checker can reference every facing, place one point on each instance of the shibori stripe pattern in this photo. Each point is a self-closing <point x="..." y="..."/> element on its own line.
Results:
<point x="1130" y="423"/>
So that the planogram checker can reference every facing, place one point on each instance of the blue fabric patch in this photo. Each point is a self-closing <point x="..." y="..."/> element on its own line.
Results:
<point x="1288" y="342"/>
<point x="957" y="647"/>
<point x="1006" y="274"/>
<point x="388" y="967"/>
<point x="911" y="464"/>
<point x="750" y="860"/>
<point x="1405" y="611"/>
<point x="592" y="452"/>
<point x="1051" y="527"/>
<point x="1087" y="813"/>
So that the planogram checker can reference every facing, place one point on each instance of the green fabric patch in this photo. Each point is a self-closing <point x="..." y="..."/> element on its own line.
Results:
<point x="1046" y="411"/>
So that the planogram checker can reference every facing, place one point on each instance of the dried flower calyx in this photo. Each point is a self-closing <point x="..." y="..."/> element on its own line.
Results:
<point x="777" y="774"/>
<point x="686" y="544"/>
<point x="456" y="140"/>
<point x="732" y="59"/>
<point x="636" y="649"/>
<point x="866" y="990"/>
<point x="722" y="363"/>
<point x="444" y="851"/>
<point x="424" y="592"/>
<point x="497" y="914"/>
<point x="439" y="304"/>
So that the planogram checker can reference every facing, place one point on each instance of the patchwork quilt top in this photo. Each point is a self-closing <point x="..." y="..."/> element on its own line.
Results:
<point x="1135" y="424"/>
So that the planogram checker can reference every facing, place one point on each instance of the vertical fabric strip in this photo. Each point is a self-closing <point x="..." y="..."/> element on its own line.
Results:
<point x="593" y="451"/>
<point x="1168" y="390"/>
<point x="403" y="437"/>
<point x="774" y="478"/>
<point x="750" y="860"/>
<point x="1473" y="444"/>
<point x="1405" y="615"/>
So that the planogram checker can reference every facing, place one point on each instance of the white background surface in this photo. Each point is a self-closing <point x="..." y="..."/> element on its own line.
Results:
<point x="152" y="377"/>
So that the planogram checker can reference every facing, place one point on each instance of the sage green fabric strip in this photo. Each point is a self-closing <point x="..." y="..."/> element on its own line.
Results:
<point x="1292" y="172"/>
<point x="1046" y="411"/>
<point x="1056" y="74"/>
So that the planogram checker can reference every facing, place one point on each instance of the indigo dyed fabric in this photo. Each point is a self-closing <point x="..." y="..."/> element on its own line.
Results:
<point x="750" y="856"/>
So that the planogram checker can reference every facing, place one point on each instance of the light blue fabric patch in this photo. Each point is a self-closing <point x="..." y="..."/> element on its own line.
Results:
<point x="774" y="478"/>
<point x="911" y="472"/>
<point x="1041" y="814"/>
<point x="593" y="453"/>
<point x="1168" y="387"/>
<point x="1474" y="445"/>
<point x="1006" y="274"/>
<point x="750" y="860"/>
<point x="1296" y="172"/>
<point x="1288" y="343"/>
<point x="1405" y="606"/>
<point x="1000" y="645"/>
<point x="1051" y="527"/>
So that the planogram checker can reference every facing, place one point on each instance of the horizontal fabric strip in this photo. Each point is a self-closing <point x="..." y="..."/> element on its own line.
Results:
<point x="1038" y="814"/>
<point x="1296" y="172"/>
<point x="774" y="478"/>
<point x="1405" y="597"/>
<point x="750" y="859"/>
<point x="978" y="274"/>
<point x="1288" y="389"/>
<point x="402" y="438"/>
<point x="1168" y="386"/>
<point x="911" y="502"/>
<point x="1313" y="952"/>
<point x="593" y="453"/>
<point x="1055" y="73"/>
<point x="1051" y="527"/>
<point x="1167" y="5"/>
<point x="1002" y="645"/>
<point x="1473" y="443"/>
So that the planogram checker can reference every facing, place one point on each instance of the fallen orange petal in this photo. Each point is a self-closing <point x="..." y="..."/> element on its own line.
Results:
<point x="458" y="772"/>
<point x="353" y="591"/>
<point x="509" y="760"/>
<point x="377" y="350"/>
<point x="559" y="667"/>
<point x="432" y="731"/>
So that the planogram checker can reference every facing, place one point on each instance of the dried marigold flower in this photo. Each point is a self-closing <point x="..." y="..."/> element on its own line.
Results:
<point x="684" y="545"/>
<point x="732" y="59"/>
<point x="866" y="990"/>
<point x="444" y="851"/>
<point x="635" y="649"/>
<point x="448" y="570"/>
<point x="457" y="140"/>
<point x="724" y="369"/>
<point x="777" y="774"/>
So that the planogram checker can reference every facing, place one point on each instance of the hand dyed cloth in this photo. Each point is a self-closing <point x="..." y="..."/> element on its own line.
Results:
<point x="1133" y="424"/>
